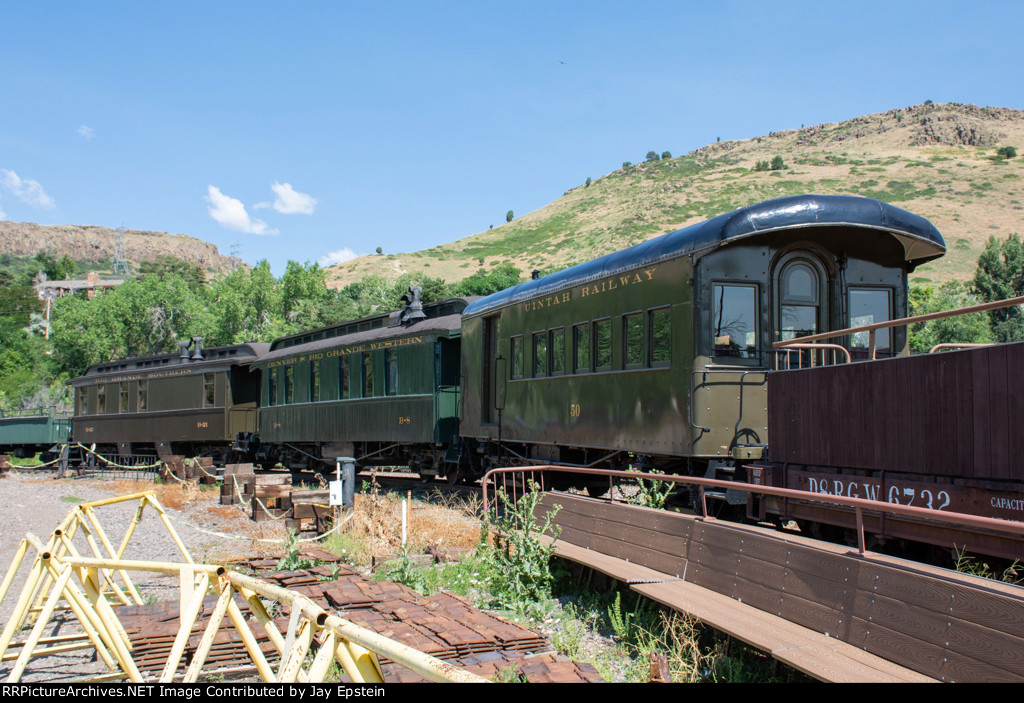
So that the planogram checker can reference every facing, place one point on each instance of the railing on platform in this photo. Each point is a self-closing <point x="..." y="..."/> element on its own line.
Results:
<point x="808" y="342"/>
<point x="515" y="488"/>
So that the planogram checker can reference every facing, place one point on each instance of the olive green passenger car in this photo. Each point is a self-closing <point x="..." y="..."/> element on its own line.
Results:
<point x="383" y="389"/>
<point x="193" y="402"/>
<point x="657" y="355"/>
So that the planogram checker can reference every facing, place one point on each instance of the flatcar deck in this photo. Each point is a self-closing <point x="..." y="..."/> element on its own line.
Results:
<point x="816" y="607"/>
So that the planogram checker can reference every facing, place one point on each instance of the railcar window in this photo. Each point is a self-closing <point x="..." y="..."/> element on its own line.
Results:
<point x="343" y="366"/>
<point x="314" y="381"/>
<point x="101" y="399"/>
<point x="633" y="340"/>
<point x="208" y="389"/>
<point x="391" y="379"/>
<point x="868" y="306"/>
<point x="581" y="348"/>
<point x="557" y="343"/>
<point x="272" y="387"/>
<point x="540" y="354"/>
<point x="602" y="344"/>
<point x="143" y="395"/>
<point x="800" y="299"/>
<point x="289" y="385"/>
<point x="83" y="401"/>
<point x="367" y="374"/>
<point x="123" y="393"/>
<point x="660" y="331"/>
<point x="734" y="320"/>
<point x="517" y="356"/>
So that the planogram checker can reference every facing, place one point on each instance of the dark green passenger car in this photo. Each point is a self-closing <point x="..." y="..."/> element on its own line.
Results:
<point x="657" y="355"/>
<point x="193" y="402"/>
<point x="383" y="389"/>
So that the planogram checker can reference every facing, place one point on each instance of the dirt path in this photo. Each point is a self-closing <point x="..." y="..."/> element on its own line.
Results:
<point x="36" y="503"/>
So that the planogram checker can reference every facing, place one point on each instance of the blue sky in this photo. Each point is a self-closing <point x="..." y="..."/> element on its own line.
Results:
<point x="306" y="130"/>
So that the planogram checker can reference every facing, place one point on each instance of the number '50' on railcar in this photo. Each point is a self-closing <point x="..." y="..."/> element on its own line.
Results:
<point x="192" y="402"/>
<point x="657" y="355"/>
<point x="383" y="389"/>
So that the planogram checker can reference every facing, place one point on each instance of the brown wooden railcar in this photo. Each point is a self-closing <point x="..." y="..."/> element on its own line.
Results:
<point x="938" y="431"/>
<point x="192" y="402"/>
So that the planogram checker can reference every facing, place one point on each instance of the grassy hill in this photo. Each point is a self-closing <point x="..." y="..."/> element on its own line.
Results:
<point x="938" y="161"/>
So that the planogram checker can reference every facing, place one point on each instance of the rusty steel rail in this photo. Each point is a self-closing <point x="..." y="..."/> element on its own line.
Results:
<point x="859" y="505"/>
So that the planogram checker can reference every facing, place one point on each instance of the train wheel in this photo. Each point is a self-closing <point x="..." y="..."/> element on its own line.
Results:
<point x="452" y="474"/>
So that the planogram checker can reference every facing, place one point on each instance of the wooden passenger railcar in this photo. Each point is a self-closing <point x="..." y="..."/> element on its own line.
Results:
<point x="382" y="389"/>
<point x="26" y="432"/>
<point x="662" y="349"/>
<point x="936" y="431"/>
<point x="192" y="402"/>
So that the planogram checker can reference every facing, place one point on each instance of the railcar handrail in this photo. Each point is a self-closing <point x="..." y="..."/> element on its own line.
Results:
<point x="858" y="504"/>
<point x="901" y="322"/>
<point x="789" y="348"/>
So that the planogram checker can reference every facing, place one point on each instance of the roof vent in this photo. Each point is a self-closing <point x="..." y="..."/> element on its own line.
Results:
<point x="413" y="307"/>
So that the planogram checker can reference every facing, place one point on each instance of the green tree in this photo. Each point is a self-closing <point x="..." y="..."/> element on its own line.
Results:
<point x="1006" y="152"/>
<point x="778" y="164"/>
<point x="54" y="268"/>
<point x="666" y="155"/>
<point x="761" y="165"/>
<point x="485" y="283"/>
<point x="970" y="329"/>
<point x="169" y="265"/>
<point x="1000" y="275"/>
<point x="652" y="156"/>
<point x="587" y="184"/>
<point x="508" y="216"/>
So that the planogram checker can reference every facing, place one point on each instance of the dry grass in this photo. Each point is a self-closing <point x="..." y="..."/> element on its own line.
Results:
<point x="377" y="519"/>
<point x="171" y="495"/>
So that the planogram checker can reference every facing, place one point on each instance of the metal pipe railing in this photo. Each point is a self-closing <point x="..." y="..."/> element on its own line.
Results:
<point x="858" y="504"/>
<point x="901" y="322"/>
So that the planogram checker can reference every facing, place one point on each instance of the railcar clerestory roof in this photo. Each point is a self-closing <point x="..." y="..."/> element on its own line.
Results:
<point x="920" y="239"/>
<point x="156" y="365"/>
<point x="443" y="316"/>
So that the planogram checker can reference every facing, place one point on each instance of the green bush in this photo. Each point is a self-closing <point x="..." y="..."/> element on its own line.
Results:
<point x="519" y="577"/>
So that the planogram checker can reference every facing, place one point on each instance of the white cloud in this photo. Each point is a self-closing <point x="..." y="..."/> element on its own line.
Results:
<point x="87" y="132"/>
<point x="26" y="190"/>
<point x="336" y="257"/>
<point x="290" y="201"/>
<point x="230" y="213"/>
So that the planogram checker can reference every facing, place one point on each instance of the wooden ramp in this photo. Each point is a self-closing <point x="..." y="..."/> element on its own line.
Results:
<point x="819" y="608"/>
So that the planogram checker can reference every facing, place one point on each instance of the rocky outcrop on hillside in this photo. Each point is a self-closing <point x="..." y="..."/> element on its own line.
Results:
<point x="95" y="244"/>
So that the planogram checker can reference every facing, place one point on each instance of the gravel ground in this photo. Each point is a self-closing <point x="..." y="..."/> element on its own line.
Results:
<point x="36" y="503"/>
